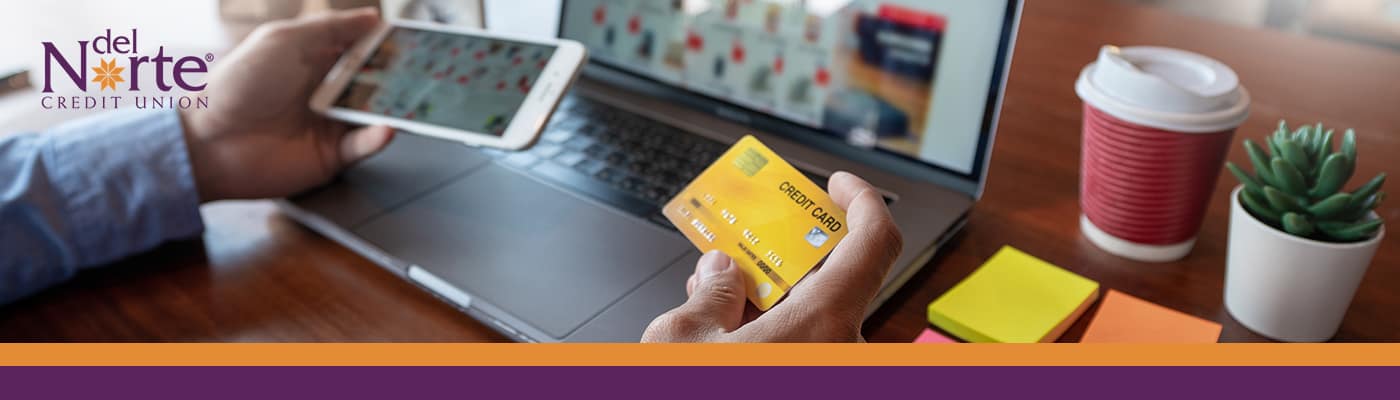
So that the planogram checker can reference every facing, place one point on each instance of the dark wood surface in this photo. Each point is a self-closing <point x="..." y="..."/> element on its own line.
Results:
<point x="258" y="276"/>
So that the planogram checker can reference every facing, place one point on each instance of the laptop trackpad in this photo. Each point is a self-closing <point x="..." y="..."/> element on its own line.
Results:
<point x="538" y="253"/>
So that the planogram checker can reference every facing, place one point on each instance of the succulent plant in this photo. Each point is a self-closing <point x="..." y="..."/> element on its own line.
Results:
<point x="1297" y="185"/>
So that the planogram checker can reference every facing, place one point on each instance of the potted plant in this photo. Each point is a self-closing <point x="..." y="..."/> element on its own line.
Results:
<point x="1299" y="245"/>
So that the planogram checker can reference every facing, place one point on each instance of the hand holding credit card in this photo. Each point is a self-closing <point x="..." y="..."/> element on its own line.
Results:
<point x="774" y="222"/>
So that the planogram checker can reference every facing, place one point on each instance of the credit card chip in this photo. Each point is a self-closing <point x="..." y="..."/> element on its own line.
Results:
<point x="750" y="161"/>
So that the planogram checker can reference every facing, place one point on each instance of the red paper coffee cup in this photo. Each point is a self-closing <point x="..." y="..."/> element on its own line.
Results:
<point x="1158" y="123"/>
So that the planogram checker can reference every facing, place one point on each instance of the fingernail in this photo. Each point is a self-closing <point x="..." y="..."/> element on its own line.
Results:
<point x="713" y="263"/>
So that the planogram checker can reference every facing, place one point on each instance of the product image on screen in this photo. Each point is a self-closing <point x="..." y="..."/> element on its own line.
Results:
<point x="863" y="70"/>
<point x="463" y="82"/>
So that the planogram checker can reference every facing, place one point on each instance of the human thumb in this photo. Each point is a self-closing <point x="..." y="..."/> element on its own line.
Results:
<point x="360" y="143"/>
<point x="715" y="307"/>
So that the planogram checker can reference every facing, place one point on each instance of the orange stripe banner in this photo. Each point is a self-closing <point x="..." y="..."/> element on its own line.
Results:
<point x="376" y="354"/>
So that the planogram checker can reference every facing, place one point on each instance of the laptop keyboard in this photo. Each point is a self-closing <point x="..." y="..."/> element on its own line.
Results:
<point x="616" y="157"/>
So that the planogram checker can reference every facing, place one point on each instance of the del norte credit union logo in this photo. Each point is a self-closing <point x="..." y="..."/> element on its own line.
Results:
<point x="114" y="62"/>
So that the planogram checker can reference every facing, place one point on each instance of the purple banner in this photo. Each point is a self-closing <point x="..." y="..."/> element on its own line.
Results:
<point x="696" y="382"/>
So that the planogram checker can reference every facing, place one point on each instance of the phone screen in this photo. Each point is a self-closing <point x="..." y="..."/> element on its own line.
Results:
<point x="458" y="81"/>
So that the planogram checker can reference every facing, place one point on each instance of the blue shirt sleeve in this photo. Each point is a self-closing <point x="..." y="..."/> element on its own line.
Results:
<point x="90" y="192"/>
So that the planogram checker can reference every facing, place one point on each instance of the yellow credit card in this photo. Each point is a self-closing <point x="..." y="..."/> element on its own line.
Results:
<point x="766" y="215"/>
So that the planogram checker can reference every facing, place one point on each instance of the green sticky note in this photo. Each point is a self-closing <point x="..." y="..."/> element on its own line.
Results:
<point x="1013" y="298"/>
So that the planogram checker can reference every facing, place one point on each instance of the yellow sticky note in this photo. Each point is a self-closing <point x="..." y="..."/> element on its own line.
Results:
<point x="1126" y="319"/>
<point x="1013" y="298"/>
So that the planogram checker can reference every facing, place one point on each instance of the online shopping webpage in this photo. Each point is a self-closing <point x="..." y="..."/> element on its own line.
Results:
<point x="470" y="83"/>
<point x="908" y="76"/>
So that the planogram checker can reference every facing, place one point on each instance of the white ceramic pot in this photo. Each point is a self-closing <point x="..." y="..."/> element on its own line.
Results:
<point x="1286" y="287"/>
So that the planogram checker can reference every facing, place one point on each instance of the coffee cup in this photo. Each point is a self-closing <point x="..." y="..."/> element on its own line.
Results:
<point x="1158" y="123"/>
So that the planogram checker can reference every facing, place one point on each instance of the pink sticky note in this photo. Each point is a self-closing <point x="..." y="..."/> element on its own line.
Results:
<point x="929" y="336"/>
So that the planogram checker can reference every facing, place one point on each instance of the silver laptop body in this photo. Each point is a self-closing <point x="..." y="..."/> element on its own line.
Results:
<point x="526" y="243"/>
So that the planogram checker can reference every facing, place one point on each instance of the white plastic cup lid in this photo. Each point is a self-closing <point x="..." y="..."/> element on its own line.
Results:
<point x="1164" y="88"/>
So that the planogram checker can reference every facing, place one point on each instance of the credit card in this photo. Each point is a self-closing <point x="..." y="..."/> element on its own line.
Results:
<point x="766" y="215"/>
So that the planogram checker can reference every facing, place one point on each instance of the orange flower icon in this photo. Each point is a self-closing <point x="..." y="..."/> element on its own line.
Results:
<point x="108" y="74"/>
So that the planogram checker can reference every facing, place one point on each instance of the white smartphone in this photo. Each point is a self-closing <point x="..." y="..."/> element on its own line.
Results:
<point x="468" y="85"/>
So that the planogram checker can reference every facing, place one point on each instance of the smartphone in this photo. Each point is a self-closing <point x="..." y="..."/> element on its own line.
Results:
<point x="462" y="84"/>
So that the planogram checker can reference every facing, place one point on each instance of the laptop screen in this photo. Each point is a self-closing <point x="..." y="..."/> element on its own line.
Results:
<point x="917" y="78"/>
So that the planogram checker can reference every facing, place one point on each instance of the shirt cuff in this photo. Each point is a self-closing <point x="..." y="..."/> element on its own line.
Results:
<point x="127" y="181"/>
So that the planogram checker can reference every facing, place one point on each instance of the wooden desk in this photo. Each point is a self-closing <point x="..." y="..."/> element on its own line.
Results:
<point x="256" y="275"/>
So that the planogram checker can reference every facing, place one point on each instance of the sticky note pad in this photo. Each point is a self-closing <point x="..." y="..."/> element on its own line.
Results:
<point x="1123" y="318"/>
<point x="1013" y="298"/>
<point x="929" y="336"/>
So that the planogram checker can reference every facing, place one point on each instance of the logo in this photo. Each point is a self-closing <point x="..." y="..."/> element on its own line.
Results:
<point x="108" y="74"/>
<point x="117" y="74"/>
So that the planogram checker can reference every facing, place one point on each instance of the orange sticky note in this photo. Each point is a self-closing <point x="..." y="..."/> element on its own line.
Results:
<point x="929" y="336"/>
<point x="1126" y="319"/>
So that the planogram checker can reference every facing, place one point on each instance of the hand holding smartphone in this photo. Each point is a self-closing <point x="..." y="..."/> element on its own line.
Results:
<point x="462" y="84"/>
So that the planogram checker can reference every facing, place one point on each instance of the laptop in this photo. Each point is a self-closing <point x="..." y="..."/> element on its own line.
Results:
<point x="564" y="242"/>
